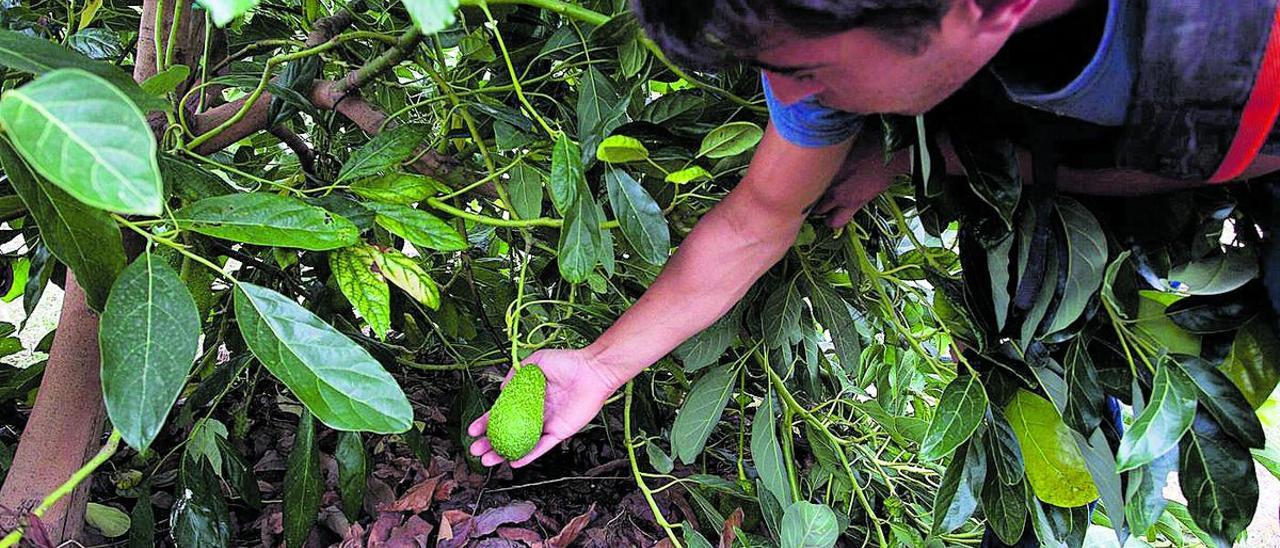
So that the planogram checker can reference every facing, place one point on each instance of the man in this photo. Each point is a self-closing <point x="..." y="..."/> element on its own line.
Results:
<point x="1147" y="72"/>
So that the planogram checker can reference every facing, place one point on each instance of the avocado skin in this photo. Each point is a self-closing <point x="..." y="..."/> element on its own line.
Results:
<point x="515" y="420"/>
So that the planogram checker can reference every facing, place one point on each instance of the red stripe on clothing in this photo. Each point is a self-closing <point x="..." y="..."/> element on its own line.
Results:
<point x="1260" y="113"/>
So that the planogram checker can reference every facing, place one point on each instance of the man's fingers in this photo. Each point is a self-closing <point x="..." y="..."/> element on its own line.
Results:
<point x="546" y="443"/>
<point x="840" y="217"/>
<point x="491" y="459"/>
<point x="478" y="426"/>
<point x="481" y="446"/>
<point x="824" y="205"/>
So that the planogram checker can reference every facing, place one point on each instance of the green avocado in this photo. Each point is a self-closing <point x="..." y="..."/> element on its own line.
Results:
<point x="515" y="420"/>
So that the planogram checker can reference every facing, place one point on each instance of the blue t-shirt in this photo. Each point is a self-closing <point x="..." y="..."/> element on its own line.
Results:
<point x="1100" y="94"/>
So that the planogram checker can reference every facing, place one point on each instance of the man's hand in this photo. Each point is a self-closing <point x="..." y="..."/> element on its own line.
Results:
<point x="577" y="387"/>
<point x="861" y="178"/>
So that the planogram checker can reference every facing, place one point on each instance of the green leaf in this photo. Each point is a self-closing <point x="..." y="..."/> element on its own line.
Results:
<point x="396" y="188"/>
<point x="239" y="474"/>
<point x="98" y="43"/>
<point x="600" y="110"/>
<point x="579" y="238"/>
<point x="200" y="517"/>
<point x="1221" y="273"/>
<point x="149" y="335"/>
<point x="431" y="16"/>
<point x="1168" y="415"/>
<point x="688" y="175"/>
<point x="701" y="412"/>
<point x="730" y="139"/>
<point x="1153" y="323"/>
<point x="85" y="136"/>
<point x="83" y="238"/>
<point x="351" y="472"/>
<point x="566" y="174"/>
<point x="190" y="182"/>
<point x="639" y="216"/>
<point x="1219" y="481"/>
<point x="620" y="149"/>
<point x="268" y="219"/>
<point x="38" y="56"/>
<point x="708" y="345"/>
<point x="166" y="81"/>
<point x="960" y="411"/>
<point x="420" y="228"/>
<point x="1101" y="463"/>
<point x="337" y="380"/>
<point x="302" y="484"/>
<point x="1054" y="465"/>
<point x="781" y="315"/>
<point x="992" y="167"/>
<point x="1086" y="262"/>
<point x="385" y="151"/>
<point x="1067" y="526"/>
<point x="1005" y="507"/>
<point x="1223" y="401"/>
<point x="203" y="445"/>
<point x="142" y="531"/>
<point x="525" y="189"/>
<point x="402" y="270"/>
<point x="766" y="453"/>
<point x="112" y="522"/>
<point x="1006" y="453"/>
<point x="1145" y="492"/>
<point x="1252" y="362"/>
<point x="658" y="459"/>
<point x="961" y="488"/>
<point x="1084" y="401"/>
<point x="809" y="525"/>
<point x="224" y="11"/>
<point x="837" y="316"/>
<point x="356" y="270"/>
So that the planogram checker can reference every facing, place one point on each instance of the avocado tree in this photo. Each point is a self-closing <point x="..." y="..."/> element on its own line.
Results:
<point x="330" y="214"/>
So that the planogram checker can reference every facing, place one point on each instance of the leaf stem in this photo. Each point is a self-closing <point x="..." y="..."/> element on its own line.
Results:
<point x="107" y="451"/>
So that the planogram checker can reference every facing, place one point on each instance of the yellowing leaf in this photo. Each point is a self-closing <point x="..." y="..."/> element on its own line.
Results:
<point x="1055" y="466"/>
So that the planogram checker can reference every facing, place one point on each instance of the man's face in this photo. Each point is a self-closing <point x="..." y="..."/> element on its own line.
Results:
<point x="861" y="71"/>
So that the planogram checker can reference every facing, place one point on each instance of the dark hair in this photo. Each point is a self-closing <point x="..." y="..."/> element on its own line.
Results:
<point x="705" y="33"/>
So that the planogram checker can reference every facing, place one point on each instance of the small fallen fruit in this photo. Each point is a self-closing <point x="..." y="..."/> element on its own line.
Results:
<point x="515" y="420"/>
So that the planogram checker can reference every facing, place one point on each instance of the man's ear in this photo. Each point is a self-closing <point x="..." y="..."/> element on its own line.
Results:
<point x="995" y="15"/>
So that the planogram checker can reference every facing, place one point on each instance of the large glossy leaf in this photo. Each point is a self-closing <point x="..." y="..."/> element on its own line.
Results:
<point x="961" y="488"/>
<point x="268" y="219"/>
<point x="579" y="240"/>
<point x="1086" y="262"/>
<point x="730" y="139"/>
<point x="384" y="152"/>
<point x="96" y="43"/>
<point x="1005" y="507"/>
<point x="85" y="136"/>
<point x="1223" y="401"/>
<point x="566" y="174"/>
<point x="766" y="453"/>
<point x="640" y="217"/>
<point x="431" y="16"/>
<point x="338" y="381"/>
<point x="1083" y="410"/>
<point x="1168" y="415"/>
<point x="302" y="484"/>
<point x="420" y="228"/>
<point x="356" y="270"/>
<point x="1217" y="274"/>
<point x="1218" y="479"/>
<point x="1207" y="314"/>
<point x="407" y="274"/>
<point x="1006" y="453"/>
<point x="25" y="53"/>
<point x="781" y="315"/>
<point x="1153" y="323"/>
<point x="199" y="517"/>
<point x="701" y="412"/>
<point x="960" y="411"/>
<point x="620" y="149"/>
<point x="396" y="188"/>
<point x="1101" y="462"/>
<point x="809" y="525"/>
<point x="83" y="238"/>
<point x="149" y="335"/>
<point x="1252" y="364"/>
<point x="1054" y="465"/>
<point x="352" y="466"/>
<point x="600" y="110"/>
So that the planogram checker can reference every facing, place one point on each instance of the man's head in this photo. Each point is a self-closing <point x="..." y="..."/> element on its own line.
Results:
<point x="867" y="56"/>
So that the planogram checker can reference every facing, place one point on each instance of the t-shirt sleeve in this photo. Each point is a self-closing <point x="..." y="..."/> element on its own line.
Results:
<point x="809" y="124"/>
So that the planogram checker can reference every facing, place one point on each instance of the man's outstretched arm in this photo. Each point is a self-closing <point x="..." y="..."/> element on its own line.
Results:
<point x="728" y="250"/>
